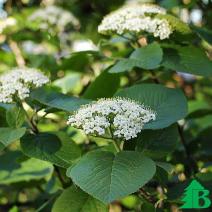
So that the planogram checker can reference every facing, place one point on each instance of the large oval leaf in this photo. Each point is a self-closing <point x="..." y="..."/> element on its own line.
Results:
<point x="169" y="104"/>
<point x="198" y="109"/>
<point x="187" y="59"/>
<point x="74" y="200"/>
<point x="32" y="169"/>
<point x="3" y="122"/>
<point x="3" y="110"/>
<point x="15" y="117"/>
<point x="55" y="148"/>
<point x="157" y="143"/>
<point x="68" y="82"/>
<point x="105" y="85"/>
<point x="1" y="146"/>
<point x="57" y="100"/>
<point x="204" y="33"/>
<point x="9" y="135"/>
<point x="117" y="175"/>
<point x="148" y="57"/>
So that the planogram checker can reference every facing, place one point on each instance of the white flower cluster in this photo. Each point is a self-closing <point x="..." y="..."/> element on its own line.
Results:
<point x="53" y="16"/>
<point x="18" y="82"/>
<point x="122" y="118"/>
<point x="6" y="22"/>
<point x="136" y="18"/>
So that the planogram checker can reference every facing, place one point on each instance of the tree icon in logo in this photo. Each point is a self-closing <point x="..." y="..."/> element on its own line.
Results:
<point x="196" y="196"/>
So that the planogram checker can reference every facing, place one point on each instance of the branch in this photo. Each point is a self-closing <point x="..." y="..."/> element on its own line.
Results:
<point x="154" y="77"/>
<point x="192" y="163"/>
<point x="29" y="120"/>
<point x="17" y="52"/>
<point x="147" y="196"/>
<point x="59" y="175"/>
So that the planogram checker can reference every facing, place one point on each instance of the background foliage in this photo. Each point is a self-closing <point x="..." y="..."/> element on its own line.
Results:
<point x="39" y="172"/>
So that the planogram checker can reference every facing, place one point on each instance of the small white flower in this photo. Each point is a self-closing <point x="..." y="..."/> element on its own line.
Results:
<point x="18" y="83"/>
<point x="136" y="18"/>
<point x="123" y="118"/>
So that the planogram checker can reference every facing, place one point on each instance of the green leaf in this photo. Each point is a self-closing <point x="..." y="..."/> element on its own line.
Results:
<point x="43" y="61"/>
<point x="6" y="106"/>
<point x="105" y="85"/>
<point x="169" y="104"/>
<point x="74" y="200"/>
<point x="89" y="53"/>
<point x="202" y="123"/>
<point x="202" y="144"/>
<point x="166" y="166"/>
<point x="198" y="108"/>
<point x="8" y="58"/>
<point x="180" y="59"/>
<point x="204" y="33"/>
<point x="15" y="117"/>
<point x="57" y="100"/>
<point x="109" y="177"/>
<point x="169" y="4"/>
<point x="123" y="65"/>
<point x="13" y="172"/>
<point x="68" y="82"/>
<point x="9" y="135"/>
<point x="161" y="176"/>
<point x="1" y="147"/>
<point x="3" y="122"/>
<point x="147" y="206"/>
<point x="148" y="57"/>
<point x="157" y="143"/>
<point x="56" y="148"/>
<point x="76" y="62"/>
<point x="3" y="109"/>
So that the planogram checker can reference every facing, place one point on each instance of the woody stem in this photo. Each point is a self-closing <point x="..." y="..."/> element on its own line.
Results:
<point x="29" y="120"/>
<point x="17" y="52"/>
